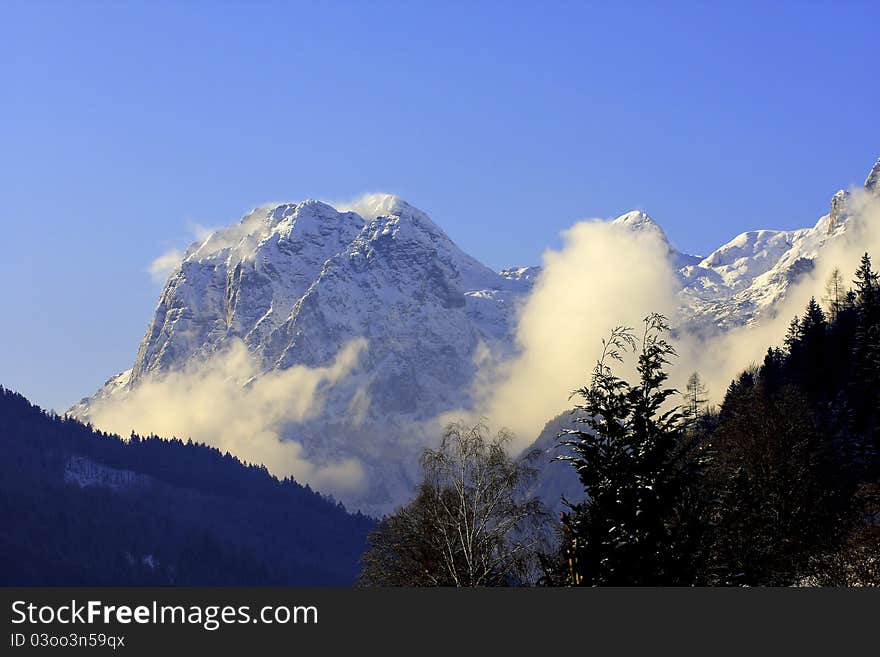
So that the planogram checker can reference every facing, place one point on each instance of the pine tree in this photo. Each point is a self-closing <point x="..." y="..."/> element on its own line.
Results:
<point x="866" y="352"/>
<point x="793" y="335"/>
<point x="867" y="338"/>
<point x="772" y="368"/>
<point x="809" y="350"/>
<point x="867" y="282"/>
<point x="814" y="322"/>
<point x="637" y="466"/>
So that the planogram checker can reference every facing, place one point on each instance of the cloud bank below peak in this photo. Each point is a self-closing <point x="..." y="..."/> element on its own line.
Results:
<point x="607" y="274"/>
<point x="225" y="402"/>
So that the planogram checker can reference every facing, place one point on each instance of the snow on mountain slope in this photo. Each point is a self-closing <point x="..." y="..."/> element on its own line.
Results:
<point x="872" y="182"/>
<point x="749" y="275"/>
<point x="296" y="282"/>
<point x="640" y="221"/>
<point x="735" y="285"/>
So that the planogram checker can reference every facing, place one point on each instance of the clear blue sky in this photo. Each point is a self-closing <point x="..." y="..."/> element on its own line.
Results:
<point x="506" y="121"/>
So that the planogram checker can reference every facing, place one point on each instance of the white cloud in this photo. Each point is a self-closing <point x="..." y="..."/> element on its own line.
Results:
<point x="199" y="231"/>
<point x="369" y="206"/>
<point x="720" y="358"/>
<point x="166" y="263"/>
<point x="604" y="275"/>
<point x="162" y="267"/>
<point x="223" y="402"/>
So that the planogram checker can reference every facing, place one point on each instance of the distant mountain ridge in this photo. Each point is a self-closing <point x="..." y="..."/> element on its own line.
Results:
<point x="296" y="281"/>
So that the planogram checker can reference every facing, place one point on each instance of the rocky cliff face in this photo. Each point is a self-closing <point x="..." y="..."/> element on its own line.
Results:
<point x="295" y="282"/>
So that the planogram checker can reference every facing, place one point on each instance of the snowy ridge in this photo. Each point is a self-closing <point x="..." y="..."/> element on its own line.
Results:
<point x="749" y="275"/>
<point x="294" y="282"/>
<point x="872" y="182"/>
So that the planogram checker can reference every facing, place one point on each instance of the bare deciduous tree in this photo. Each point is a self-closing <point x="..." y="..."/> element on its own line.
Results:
<point x="470" y="524"/>
<point x="696" y="395"/>
<point x="835" y="292"/>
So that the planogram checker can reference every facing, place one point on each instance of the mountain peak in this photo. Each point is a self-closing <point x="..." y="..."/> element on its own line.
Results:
<point x="373" y="206"/>
<point x="296" y="282"/>
<point x="241" y="240"/>
<point x="638" y="220"/>
<point x="872" y="182"/>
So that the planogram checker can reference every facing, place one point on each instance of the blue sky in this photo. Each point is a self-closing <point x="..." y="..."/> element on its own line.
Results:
<point x="123" y="123"/>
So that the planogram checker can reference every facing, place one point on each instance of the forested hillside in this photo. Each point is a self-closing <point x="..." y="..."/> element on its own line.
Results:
<point x="84" y="507"/>
<point x="778" y="486"/>
<point x="796" y="449"/>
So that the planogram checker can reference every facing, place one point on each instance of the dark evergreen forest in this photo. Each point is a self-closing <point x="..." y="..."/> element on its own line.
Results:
<point x="779" y="486"/>
<point x="173" y="512"/>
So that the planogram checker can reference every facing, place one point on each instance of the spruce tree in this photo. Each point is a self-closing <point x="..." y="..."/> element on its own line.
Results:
<point x="866" y="353"/>
<point x="867" y="282"/>
<point x="793" y="335"/>
<point x="637" y="467"/>
<point x="809" y="360"/>
<point x="814" y="322"/>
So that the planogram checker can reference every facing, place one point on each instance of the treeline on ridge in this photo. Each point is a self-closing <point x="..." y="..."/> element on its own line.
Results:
<point x="176" y="513"/>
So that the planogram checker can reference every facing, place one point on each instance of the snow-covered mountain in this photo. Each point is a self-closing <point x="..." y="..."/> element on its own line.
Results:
<point x="297" y="281"/>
